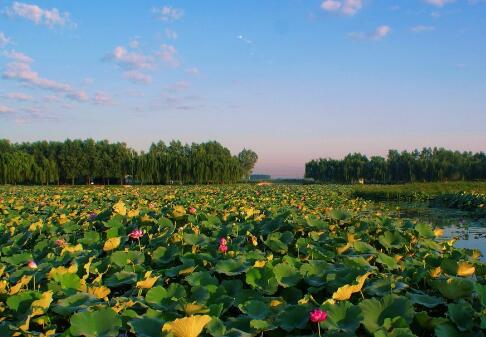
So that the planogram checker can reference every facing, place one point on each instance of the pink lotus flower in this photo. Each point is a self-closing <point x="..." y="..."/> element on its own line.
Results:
<point x="151" y="205"/>
<point x="136" y="234"/>
<point x="192" y="210"/>
<point x="32" y="264"/>
<point x="223" y="241"/>
<point x="223" y="249"/>
<point x="317" y="315"/>
<point x="299" y="207"/>
<point x="60" y="243"/>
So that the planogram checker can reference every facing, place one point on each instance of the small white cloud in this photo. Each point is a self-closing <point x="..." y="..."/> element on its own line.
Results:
<point x="5" y="110"/>
<point x="137" y="77"/>
<point x="439" y="3"/>
<point x="18" y="57"/>
<point x="39" y="16"/>
<point x="244" y="39"/>
<point x="4" y="40"/>
<point x="422" y="29"/>
<point x="168" y="54"/>
<point x="130" y="60"/>
<point x="346" y="7"/>
<point x="18" y="96"/>
<point x="168" y="14"/>
<point x="192" y="71"/>
<point x="102" y="98"/>
<point x="378" y="34"/>
<point x="134" y="43"/>
<point x="170" y="34"/>
<point x="79" y="96"/>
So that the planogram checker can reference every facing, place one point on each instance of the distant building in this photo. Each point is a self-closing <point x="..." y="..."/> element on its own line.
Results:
<point x="260" y="177"/>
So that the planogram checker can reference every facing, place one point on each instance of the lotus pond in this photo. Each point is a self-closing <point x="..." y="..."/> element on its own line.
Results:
<point x="236" y="260"/>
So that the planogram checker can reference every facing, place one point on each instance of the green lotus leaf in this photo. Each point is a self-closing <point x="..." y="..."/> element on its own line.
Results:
<point x="232" y="267"/>
<point x="101" y="323"/>
<point x="425" y="300"/>
<point x="481" y="292"/>
<point x="216" y="328"/>
<point x="454" y="288"/>
<point x="391" y="240"/>
<point x="73" y="303"/>
<point x="462" y="315"/>
<point x="21" y="302"/>
<point x="387" y="261"/>
<point x="342" y="316"/>
<point x="262" y="279"/>
<point x="261" y="325"/>
<point x="255" y="309"/>
<point x="146" y="327"/>
<point x="425" y="230"/>
<point x="123" y="258"/>
<point x="286" y="275"/>
<point x="120" y="279"/>
<point x="375" y="312"/>
<point x="293" y="317"/>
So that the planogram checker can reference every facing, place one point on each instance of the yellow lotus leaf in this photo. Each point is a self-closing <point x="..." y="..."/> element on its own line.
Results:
<point x="62" y="270"/>
<point x="72" y="249"/>
<point x="351" y="238"/>
<point x="275" y="303"/>
<point x="188" y="326"/>
<point x="23" y="282"/>
<point x="111" y="244"/>
<point x="476" y="254"/>
<point x="259" y="264"/>
<point x="343" y="249"/>
<point x="194" y="308"/>
<point x="62" y="219"/>
<point x="344" y="293"/>
<point x="145" y="218"/>
<point x="123" y="305"/>
<point x="132" y="213"/>
<point x="48" y="333"/>
<point x="100" y="292"/>
<point x="40" y="306"/>
<point x="435" y="272"/>
<point x="3" y="286"/>
<point x="187" y="270"/>
<point x="86" y="267"/>
<point x="178" y="211"/>
<point x="147" y="283"/>
<point x="465" y="269"/>
<point x="2" y="270"/>
<point x="120" y="208"/>
<point x="438" y="232"/>
<point x="24" y="327"/>
<point x="36" y="226"/>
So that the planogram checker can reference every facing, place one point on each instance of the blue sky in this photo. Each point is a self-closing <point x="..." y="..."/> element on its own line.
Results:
<point x="291" y="79"/>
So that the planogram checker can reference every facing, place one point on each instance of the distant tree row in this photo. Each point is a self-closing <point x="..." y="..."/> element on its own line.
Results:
<point x="428" y="165"/>
<point x="101" y="162"/>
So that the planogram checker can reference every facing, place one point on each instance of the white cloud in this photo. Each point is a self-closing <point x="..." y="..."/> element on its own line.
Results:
<point x="102" y="98"/>
<point x="168" y="54"/>
<point x="37" y="15"/>
<point x="170" y="34"/>
<point x="20" y="69"/>
<point x="5" y="110"/>
<point x="134" y="43"/>
<point x="244" y="39"/>
<point x="18" y="96"/>
<point x="168" y="14"/>
<point x="378" y="34"/>
<point x="193" y="71"/>
<point x="4" y="40"/>
<point x="422" y="29"/>
<point x="439" y="3"/>
<point x="137" y="76"/>
<point x="346" y="7"/>
<point x="131" y="60"/>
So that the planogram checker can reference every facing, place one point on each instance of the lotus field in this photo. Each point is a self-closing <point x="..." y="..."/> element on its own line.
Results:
<point x="237" y="260"/>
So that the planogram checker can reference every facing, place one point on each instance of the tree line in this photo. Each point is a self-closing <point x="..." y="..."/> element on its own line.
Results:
<point x="427" y="165"/>
<point x="101" y="162"/>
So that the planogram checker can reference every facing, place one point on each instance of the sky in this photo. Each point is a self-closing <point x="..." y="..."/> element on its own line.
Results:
<point x="293" y="80"/>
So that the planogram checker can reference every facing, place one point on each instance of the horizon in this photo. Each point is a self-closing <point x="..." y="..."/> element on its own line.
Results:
<point x="292" y="80"/>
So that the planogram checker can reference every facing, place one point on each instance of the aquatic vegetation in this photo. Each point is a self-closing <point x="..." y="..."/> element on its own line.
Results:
<point x="251" y="261"/>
